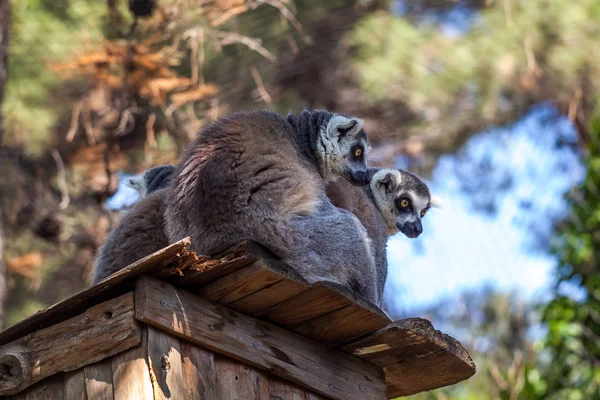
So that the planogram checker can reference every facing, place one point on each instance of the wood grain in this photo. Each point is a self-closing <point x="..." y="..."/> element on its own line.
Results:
<point x="312" y="303"/>
<point x="240" y="283"/>
<point x="257" y="303"/>
<point x="99" y="380"/>
<point x="415" y="356"/>
<point x="100" y="332"/>
<point x="48" y="389"/>
<point x="131" y="375"/>
<point x="75" y="385"/>
<point x="199" y="373"/>
<point x="343" y="325"/>
<point x="164" y="358"/>
<point x="325" y="370"/>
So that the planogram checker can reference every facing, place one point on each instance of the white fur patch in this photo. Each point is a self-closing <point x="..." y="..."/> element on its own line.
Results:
<point x="339" y="121"/>
<point x="436" y="202"/>
<point x="420" y="203"/>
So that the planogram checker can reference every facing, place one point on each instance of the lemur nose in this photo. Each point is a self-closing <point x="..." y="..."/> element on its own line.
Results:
<point x="417" y="228"/>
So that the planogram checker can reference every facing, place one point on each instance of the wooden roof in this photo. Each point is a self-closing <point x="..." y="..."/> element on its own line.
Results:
<point x="414" y="356"/>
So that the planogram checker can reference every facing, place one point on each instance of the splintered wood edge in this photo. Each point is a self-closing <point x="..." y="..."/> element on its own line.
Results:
<point x="317" y="366"/>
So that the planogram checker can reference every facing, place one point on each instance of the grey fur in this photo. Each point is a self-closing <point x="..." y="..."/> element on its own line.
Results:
<point x="259" y="176"/>
<point x="361" y="201"/>
<point x="152" y="180"/>
<point x="139" y="233"/>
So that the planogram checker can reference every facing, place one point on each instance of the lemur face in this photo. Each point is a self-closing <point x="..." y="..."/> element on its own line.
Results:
<point x="403" y="199"/>
<point x="342" y="149"/>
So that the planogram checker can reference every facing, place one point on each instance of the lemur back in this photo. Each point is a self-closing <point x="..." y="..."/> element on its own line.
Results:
<point x="259" y="176"/>
<point x="139" y="233"/>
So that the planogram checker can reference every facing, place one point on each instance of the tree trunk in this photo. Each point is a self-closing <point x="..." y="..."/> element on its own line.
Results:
<point x="4" y="32"/>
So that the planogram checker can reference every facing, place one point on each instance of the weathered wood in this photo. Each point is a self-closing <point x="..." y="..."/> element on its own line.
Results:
<point x="100" y="332"/>
<point x="236" y="380"/>
<point x="325" y="370"/>
<point x="99" y="380"/>
<point x="199" y="373"/>
<point x="221" y="264"/>
<point x="343" y="325"/>
<point x="415" y="357"/>
<point x="309" y="304"/>
<point x="113" y="286"/>
<point x="48" y="389"/>
<point x="75" y="385"/>
<point x="240" y="283"/>
<point x="164" y="359"/>
<point x="263" y="300"/>
<point x="131" y="376"/>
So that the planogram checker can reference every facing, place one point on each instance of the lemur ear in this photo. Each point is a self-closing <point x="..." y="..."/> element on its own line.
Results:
<point x="388" y="182"/>
<point x="134" y="183"/>
<point x="342" y="126"/>
<point x="436" y="202"/>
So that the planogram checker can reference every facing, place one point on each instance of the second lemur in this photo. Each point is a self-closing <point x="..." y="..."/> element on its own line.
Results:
<point x="395" y="200"/>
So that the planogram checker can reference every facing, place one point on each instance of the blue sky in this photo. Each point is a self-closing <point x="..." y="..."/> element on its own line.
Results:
<point x="524" y="171"/>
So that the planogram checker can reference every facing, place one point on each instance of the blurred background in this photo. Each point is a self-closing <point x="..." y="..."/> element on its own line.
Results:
<point x="493" y="102"/>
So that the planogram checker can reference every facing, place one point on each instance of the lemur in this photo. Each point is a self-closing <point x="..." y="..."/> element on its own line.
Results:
<point x="151" y="180"/>
<point x="141" y="231"/>
<point x="395" y="200"/>
<point x="259" y="176"/>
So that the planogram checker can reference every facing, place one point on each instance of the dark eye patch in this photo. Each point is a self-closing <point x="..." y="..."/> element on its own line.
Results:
<point x="357" y="152"/>
<point x="403" y="203"/>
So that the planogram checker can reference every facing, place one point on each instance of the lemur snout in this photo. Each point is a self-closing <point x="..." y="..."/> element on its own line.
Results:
<point x="411" y="229"/>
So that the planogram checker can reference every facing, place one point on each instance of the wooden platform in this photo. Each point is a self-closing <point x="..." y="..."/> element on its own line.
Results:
<point x="244" y="306"/>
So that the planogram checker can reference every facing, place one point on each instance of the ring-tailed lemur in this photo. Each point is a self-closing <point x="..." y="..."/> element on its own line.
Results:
<point x="260" y="176"/>
<point x="152" y="180"/>
<point x="141" y="231"/>
<point x="395" y="200"/>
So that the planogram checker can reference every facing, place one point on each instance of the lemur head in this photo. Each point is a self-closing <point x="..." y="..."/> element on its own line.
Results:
<point x="403" y="199"/>
<point x="342" y="149"/>
<point x="152" y="180"/>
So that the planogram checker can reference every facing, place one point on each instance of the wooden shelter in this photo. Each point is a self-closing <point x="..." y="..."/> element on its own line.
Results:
<point x="237" y="326"/>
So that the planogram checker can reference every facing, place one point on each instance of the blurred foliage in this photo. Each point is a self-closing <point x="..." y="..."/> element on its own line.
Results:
<point x="43" y="31"/>
<point x="488" y="70"/>
<point x="495" y="327"/>
<point x="569" y="366"/>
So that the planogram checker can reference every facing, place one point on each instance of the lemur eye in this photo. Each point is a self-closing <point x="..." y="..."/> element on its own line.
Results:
<point x="403" y="203"/>
<point x="423" y="212"/>
<point x="357" y="152"/>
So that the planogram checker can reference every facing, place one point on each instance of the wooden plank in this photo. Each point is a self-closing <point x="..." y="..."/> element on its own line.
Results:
<point x="112" y="286"/>
<point x="165" y="363"/>
<point x="279" y="389"/>
<point x="48" y="389"/>
<point x="262" y="301"/>
<point x="220" y="265"/>
<point x="131" y="376"/>
<point x="199" y="373"/>
<point x="99" y="380"/>
<point x="102" y="331"/>
<point x="236" y="380"/>
<point x="415" y="356"/>
<point x="75" y="385"/>
<point x="309" y="304"/>
<point x="240" y="283"/>
<point x="343" y="325"/>
<point x="325" y="370"/>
